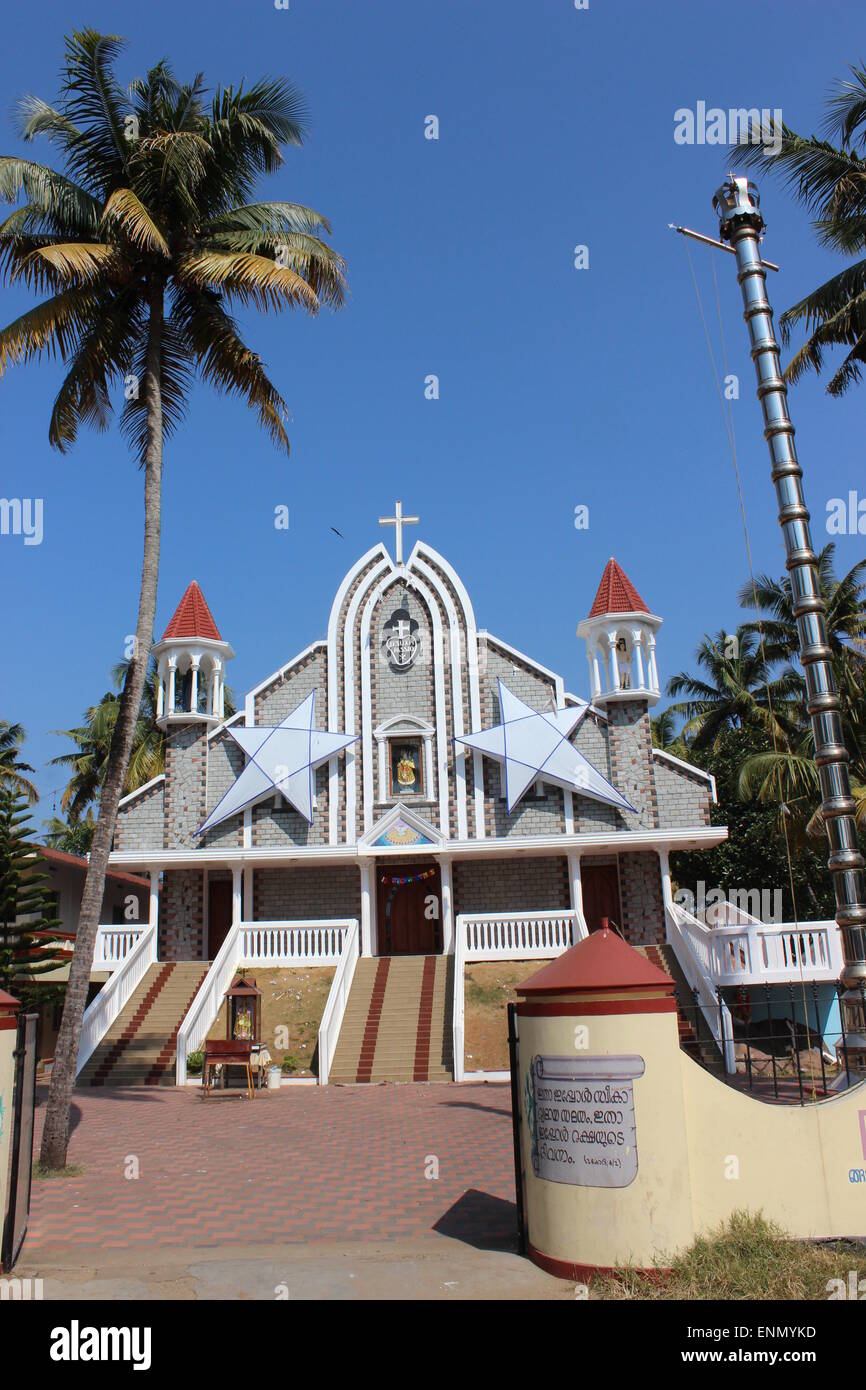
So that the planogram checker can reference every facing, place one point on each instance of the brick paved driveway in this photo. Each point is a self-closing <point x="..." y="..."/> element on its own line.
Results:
<point x="302" y="1164"/>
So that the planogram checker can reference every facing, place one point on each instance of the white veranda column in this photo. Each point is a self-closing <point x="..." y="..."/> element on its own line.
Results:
<point x="575" y="885"/>
<point x="153" y="906"/>
<point x="366" y="908"/>
<point x="237" y="900"/>
<point x="447" y="908"/>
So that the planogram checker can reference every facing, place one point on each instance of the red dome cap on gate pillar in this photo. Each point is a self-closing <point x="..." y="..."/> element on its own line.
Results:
<point x="600" y="975"/>
<point x="9" y="1007"/>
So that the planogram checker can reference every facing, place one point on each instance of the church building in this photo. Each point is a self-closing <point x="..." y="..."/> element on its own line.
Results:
<point x="409" y="769"/>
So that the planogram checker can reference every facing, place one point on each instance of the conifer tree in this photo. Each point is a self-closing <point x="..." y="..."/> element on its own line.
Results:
<point x="29" y="946"/>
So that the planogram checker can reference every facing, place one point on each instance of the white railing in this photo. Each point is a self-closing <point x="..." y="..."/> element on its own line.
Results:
<point x="113" y="945"/>
<point x="275" y="944"/>
<point x="506" y="936"/>
<point x="518" y="935"/>
<point x="746" y="951"/>
<point x="293" y="943"/>
<point x="692" y="944"/>
<point x="116" y="993"/>
<point x="335" y="1008"/>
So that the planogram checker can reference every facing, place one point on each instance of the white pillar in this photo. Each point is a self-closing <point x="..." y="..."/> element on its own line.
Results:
<point x="160" y="696"/>
<point x="612" y="661"/>
<point x="575" y="885"/>
<point x="153" y="906"/>
<point x="667" y="898"/>
<point x="637" y="637"/>
<point x="248" y="894"/>
<point x="653" y="672"/>
<point x="366" y="908"/>
<point x="172" y="672"/>
<point x="193" y="693"/>
<point x="236" y="896"/>
<point x="447" y="908"/>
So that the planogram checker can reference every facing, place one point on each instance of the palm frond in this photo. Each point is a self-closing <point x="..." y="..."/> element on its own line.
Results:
<point x="126" y="214"/>
<point x="250" y="279"/>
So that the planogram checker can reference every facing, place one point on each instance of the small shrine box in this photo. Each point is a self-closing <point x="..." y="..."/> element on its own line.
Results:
<point x="244" y="1010"/>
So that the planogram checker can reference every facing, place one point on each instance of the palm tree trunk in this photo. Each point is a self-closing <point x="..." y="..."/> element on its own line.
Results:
<point x="55" y="1136"/>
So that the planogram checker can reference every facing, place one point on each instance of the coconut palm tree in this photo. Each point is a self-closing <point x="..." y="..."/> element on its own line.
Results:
<point x="735" y="692"/>
<point x="789" y="776"/>
<point x="75" y="836"/>
<point x="12" y="770"/>
<point x="143" y="244"/>
<point x="663" y="730"/>
<point x="844" y="606"/>
<point x="829" y="178"/>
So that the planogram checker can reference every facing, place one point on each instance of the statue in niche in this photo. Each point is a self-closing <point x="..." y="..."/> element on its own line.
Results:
<point x="623" y="664"/>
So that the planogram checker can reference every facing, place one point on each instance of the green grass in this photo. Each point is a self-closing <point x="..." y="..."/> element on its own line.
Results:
<point x="488" y="996"/>
<point x="745" y="1258"/>
<point x="40" y="1172"/>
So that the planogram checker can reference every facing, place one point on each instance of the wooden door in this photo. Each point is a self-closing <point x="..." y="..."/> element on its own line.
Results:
<point x="219" y="914"/>
<point x="409" y="914"/>
<point x="600" y="883"/>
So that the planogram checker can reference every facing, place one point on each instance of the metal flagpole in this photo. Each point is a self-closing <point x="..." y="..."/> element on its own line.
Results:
<point x="740" y="222"/>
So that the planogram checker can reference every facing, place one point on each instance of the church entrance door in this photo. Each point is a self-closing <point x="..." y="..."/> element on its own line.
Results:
<point x="219" y="914"/>
<point x="409" y="914"/>
<point x="600" y="883"/>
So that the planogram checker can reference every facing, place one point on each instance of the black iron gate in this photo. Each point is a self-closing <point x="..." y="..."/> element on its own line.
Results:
<point x="21" y="1162"/>
<point x="514" y="1062"/>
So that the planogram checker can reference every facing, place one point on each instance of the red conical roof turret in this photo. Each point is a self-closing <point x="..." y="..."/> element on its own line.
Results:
<point x="616" y="593"/>
<point x="192" y="617"/>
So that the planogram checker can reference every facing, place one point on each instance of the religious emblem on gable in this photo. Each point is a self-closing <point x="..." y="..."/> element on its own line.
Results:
<point x="402" y="641"/>
<point x="401" y="833"/>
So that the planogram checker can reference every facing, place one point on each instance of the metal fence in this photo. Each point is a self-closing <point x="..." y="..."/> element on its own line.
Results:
<point x="789" y="1055"/>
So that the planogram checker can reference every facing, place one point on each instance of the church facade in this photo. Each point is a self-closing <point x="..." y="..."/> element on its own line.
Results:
<point x="408" y="768"/>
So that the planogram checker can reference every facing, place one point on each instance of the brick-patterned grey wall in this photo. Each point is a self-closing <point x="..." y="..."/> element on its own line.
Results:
<point x="640" y="887"/>
<point x="591" y="738"/>
<point x="225" y="763"/>
<point x="298" y="894"/>
<point x="181" y="915"/>
<point x="141" y="823"/>
<point x="682" y="799"/>
<point x="533" y="884"/>
<point x="185" y="778"/>
<point x="534" y="816"/>
<point x="631" y="761"/>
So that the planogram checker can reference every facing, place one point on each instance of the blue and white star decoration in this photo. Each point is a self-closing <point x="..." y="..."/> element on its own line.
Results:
<point x="535" y="744"/>
<point x="282" y="758"/>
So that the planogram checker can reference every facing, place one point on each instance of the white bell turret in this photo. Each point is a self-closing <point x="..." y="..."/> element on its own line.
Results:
<point x="191" y="661"/>
<point x="620" y="636"/>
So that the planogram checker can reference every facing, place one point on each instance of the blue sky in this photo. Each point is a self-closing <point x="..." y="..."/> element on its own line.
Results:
<point x="558" y="387"/>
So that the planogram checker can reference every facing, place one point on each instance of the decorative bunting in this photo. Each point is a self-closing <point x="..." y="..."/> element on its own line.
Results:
<point x="408" y="878"/>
